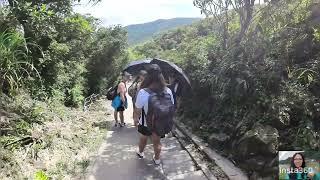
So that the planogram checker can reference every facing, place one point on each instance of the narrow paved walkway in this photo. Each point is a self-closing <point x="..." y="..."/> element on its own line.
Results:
<point x="117" y="159"/>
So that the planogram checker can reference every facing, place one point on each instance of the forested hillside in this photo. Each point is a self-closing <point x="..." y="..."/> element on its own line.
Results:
<point x="138" y="33"/>
<point x="255" y="77"/>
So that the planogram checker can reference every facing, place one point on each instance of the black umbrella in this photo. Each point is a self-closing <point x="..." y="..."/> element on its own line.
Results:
<point x="171" y="69"/>
<point x="135" y="67"/>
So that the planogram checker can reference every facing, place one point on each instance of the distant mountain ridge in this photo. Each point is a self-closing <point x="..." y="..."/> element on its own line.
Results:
<point x="138" y="33"/>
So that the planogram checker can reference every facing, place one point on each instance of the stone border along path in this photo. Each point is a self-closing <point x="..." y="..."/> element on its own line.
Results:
<point x="117" y="159"/>
<point x="230" y="170"/>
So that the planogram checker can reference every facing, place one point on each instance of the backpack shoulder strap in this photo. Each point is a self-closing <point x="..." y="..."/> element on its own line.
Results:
<point x="117" y="85"/>
<point x="143" y="112"/>
<point x="143" y="116"/>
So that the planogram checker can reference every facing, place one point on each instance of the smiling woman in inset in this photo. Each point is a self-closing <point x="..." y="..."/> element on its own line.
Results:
<point x="298" y="170"/>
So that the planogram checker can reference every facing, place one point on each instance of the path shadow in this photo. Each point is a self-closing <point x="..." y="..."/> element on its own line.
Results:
<point x="117" y="158"/>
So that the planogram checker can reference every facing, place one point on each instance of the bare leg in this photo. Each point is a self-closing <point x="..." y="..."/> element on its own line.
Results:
<point x="121" y="117"/>
<point x="142" y="143"/>
<point x="156" y="145"/>
<point x="134" y="123"/>
<point x="115" y="114"/>
<point x="133" y="107"/>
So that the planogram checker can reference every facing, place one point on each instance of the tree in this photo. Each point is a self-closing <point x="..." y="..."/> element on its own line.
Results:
<point x="221" y="10"/>
<point x="63" y="47"/>
<point x="107" y="59"/>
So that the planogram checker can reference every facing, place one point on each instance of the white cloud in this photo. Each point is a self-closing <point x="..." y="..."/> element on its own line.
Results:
<point x="127" y="12"/>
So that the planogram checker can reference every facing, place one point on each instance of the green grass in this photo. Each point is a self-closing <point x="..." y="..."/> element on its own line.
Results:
<point x="15" y="63"/>
<point x="64" y="146"/>
<point x="282" y="176"/>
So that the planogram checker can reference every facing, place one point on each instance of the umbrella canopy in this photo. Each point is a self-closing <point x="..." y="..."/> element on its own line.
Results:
<point x="135" y="67"/>
<point x="168" y="69"/>
<point x="171" y="69"/>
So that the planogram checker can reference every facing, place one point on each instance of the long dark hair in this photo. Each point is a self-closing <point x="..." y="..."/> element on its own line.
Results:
<point x="293" y="176"/>
<point x="154" y="79"/>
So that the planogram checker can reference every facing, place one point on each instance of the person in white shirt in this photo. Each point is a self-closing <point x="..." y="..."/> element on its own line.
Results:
<point x="156" y="83"/>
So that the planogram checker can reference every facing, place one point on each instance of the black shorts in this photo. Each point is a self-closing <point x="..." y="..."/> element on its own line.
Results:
<point x="145" y="131"/>
<point x="120" y="109"/>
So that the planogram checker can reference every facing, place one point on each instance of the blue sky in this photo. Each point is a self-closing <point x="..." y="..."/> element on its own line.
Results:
<point x="126" y="12"/>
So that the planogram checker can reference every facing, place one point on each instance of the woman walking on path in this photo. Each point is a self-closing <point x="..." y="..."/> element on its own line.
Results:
<point x="121" y="102"/>
<point x="153" y="83"/>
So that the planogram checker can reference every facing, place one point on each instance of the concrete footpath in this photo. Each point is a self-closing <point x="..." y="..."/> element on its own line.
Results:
<point x="117" y="159"/>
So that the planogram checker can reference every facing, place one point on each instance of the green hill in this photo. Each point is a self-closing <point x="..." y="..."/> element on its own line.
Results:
<point x="138" y="33"/>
